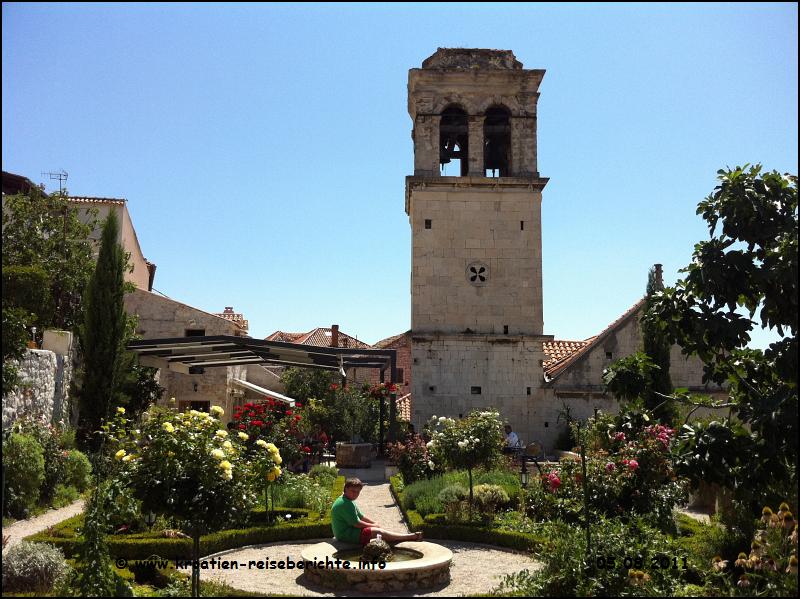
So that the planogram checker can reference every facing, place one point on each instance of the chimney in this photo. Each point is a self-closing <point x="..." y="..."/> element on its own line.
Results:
<point x="659" y="277"/>
<point x="228" y="310"/>
<point x="335" y="335"/>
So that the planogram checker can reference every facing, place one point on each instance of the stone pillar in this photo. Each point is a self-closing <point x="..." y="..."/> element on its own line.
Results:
<point x="426" y="146"/>
<point x="476" y="146"/>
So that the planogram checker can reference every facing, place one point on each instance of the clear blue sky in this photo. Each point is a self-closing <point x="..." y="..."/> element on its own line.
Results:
<point x="263" y="148"/>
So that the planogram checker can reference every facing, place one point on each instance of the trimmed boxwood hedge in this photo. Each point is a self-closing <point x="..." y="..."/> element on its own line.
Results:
<point x="143" y="545"/>
<point x="434" y="526"/>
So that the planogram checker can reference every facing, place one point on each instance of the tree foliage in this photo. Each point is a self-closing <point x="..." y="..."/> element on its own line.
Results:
<point x="657" y="348"/>
<point x="103" y="336"/>
<point x="47" y="254"/>
<point x="749" y="264"/>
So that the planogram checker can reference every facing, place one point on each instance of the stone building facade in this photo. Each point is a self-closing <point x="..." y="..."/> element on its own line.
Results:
<point x="161" y="317"/>
<point x="476" y="282"/>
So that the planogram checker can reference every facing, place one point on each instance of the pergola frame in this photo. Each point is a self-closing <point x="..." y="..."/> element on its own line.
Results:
<point x="186" y="354"/>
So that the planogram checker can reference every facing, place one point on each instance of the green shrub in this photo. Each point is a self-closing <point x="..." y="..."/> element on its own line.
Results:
<point x="302" y="491"/>
<point x="64" y="495"/>
<point x="324" y="474"/>
<point x="32" y="567"/>
<point x="77" y="469"/>
<point x="489" y="497"/>
<point x="453" y="494"/>
<point x="569" y="570"/>
<point x="23" y="461"/>
<point x="66" y="439"/>
<point x="47" y="436"/>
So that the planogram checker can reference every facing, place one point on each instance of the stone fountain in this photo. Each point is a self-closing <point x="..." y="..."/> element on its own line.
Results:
<point x="341" y="566"/>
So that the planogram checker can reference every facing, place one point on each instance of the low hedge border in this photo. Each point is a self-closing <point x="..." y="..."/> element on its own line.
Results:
<point x="144" y="545"/>
<point x="433" y="526"/>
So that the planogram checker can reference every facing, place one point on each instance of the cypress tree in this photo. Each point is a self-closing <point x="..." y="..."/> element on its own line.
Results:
<point x="103" y="336"/>
<point x="656" y="346"/>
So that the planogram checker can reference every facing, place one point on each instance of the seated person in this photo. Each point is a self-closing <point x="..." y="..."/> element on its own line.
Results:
<point x="352" y="526"/>
<point x="512" y="444"/>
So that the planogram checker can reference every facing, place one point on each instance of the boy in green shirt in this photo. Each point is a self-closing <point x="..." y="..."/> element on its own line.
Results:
<point x="352" y="526"/>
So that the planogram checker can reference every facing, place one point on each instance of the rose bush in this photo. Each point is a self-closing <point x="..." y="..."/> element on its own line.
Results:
<point x="273" y="422"/>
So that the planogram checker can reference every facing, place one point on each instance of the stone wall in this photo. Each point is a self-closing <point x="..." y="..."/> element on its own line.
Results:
<point x="475" y="225"/>
<point x="449" y="369"/>
<point x="43" y="389"/>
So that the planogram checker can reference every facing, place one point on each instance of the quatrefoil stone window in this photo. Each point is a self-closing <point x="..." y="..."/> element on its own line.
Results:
<point x="478" y="274"/>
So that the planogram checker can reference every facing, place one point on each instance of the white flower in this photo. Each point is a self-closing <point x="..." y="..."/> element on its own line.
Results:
<point x="442" y="419"/>
<point x="429" y="444"/>
<point x="431" y="465"/>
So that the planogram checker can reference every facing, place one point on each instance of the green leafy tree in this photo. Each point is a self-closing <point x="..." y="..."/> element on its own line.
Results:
<point x="304" y="384"/>
<point x="47" y="254"/>
<point x="15" y="336"/>
<point x="748" y="264"/>
<point x="103" y="337"/>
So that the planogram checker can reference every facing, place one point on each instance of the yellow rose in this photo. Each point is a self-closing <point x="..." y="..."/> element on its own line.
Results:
<point x="277" y="471"/>
<point x="243" y="436"/>
<point x="167" y="426"/>
<point x="277" y="459"/>
<point x="222" y="433"/>
<point x="120" y="454"/>
<point x="127" y="458"/>
<point x="260" y="442"/>
<point x="217" y="411"/>
<point x="227" y="445"/>
<point x="271" y="447"/>
<point x="224" y="464"/>
<point x="218" y="454"/>
<point x="271" y="476"/>
<point x="120" y="410"/>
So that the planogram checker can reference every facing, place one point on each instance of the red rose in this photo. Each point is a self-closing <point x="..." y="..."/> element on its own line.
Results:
<point x="307" y="449"/>
<point x="257" y="423"/>
<point x="288" y="412"/>
<point x="298" y="405"/>
<point x="297" y="417"/>
<point x="334" y="386"/>
<point x="242" y="427"/>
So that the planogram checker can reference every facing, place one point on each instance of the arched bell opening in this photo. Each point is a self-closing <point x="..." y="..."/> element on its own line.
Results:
<point x="454" y="142"/>
<point x="497" y="142"/>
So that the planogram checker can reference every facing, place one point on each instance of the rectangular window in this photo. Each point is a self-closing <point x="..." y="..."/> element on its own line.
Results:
<point x="608" y="355"/>
<point x="200" y="406"/>
<point x="427" y="223"/>
<point x="505" y="329"/>
<point x="400" y="378"/>
<point x="527" y="390"/>
<point x="475" y="390"/>
<point x="522" y="225"/>
<point x="195" y="333"/>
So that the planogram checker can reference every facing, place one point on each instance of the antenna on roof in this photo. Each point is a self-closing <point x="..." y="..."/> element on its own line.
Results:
<point x="61" y="176"/>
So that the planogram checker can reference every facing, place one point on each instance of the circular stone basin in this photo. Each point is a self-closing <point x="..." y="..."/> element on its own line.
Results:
<point x="421" y="565"/>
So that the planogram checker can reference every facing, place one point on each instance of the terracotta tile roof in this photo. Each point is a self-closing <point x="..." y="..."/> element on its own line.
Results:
<point x="285" y="337"/>
<point x="559" y="350"/>
<point x="404" y="407"/>
<point x="89" y="200"/>
<point x="321" y="337"/>
<point x="385" y="343"/>
<point x="236" y="318"/>
<point x="554" y="368"/>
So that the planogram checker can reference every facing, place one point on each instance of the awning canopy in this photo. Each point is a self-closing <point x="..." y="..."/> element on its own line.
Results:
<point x="265" y="392"/>
<point x="188" y="355"/>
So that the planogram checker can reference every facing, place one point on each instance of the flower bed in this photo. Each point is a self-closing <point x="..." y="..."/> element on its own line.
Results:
<point x="308" y="525"/>
<point x="434" y="527"/>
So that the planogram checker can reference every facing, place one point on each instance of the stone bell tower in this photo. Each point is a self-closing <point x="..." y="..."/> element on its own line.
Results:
<point x="474" y="203"/>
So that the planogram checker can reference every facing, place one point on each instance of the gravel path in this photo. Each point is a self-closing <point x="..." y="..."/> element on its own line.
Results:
<point x="23" y="528"/>
<point x="476" y="568"/>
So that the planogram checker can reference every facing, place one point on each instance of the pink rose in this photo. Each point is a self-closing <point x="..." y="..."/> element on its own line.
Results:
<point x="633" y="464"/>
<point x="619" y="437"/>
<point x="610" y="467"/>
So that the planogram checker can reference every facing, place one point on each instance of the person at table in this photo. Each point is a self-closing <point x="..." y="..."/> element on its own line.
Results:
<point x="512" y="444"/>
